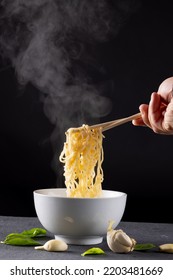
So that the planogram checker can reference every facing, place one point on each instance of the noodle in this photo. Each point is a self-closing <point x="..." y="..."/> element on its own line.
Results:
<point x="82" y="156"/>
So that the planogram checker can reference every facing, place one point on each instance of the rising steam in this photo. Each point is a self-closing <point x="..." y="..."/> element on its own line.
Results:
<point x="54" y="44"/>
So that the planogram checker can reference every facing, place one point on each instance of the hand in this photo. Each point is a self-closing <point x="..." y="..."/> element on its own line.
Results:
<point x="158" y="114"/>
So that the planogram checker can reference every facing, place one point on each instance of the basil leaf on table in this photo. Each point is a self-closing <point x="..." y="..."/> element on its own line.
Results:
<point x="144" y="247"/>
<point x="19" y="240"/>
<point x="25" y="238"/>
<point x="93" y="251"/>
<point x="34" y="232"/>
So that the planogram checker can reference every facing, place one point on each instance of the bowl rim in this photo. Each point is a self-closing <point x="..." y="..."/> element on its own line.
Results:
<point x="117" y="194"/>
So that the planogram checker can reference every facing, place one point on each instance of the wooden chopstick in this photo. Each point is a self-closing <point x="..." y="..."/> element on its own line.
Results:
<point x="111" y="124"/>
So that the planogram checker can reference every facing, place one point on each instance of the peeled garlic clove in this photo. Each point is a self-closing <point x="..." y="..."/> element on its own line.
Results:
<point x="168" y="248"/>
<point x="53" y="245"/>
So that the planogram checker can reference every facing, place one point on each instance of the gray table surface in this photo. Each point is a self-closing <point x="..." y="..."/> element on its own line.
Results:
<point x="157" y="233"/>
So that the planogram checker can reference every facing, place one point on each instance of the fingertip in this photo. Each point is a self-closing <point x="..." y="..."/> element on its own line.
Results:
<point x="134" y="122"/>
<point x="138" y="122"/>
<point x="141" y="109"/>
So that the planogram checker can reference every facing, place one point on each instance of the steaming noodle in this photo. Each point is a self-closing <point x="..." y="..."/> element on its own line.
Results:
<point x="82" y="156"/>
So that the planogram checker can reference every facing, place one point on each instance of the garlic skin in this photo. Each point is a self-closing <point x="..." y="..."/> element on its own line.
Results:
<point x="118" y="241"/>
<point x="53" y="245"/>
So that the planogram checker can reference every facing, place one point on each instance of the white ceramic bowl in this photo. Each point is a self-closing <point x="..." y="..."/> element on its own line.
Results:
<point x="81" y="221"/>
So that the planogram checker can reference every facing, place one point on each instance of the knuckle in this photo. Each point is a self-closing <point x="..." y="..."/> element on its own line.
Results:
<point x="168" y="126"/>
<point x="156" y="129"/>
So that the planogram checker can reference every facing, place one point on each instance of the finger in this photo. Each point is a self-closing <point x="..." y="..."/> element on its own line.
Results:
<point x="144" y="113"/>
<point x="168" y="118"/>
<point x="155" y="112"/>
<point x="143" y="121"/>
<point x="138" y="122"/>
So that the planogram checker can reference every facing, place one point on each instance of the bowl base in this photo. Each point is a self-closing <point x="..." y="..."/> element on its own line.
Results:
<point x="80" y="240"/>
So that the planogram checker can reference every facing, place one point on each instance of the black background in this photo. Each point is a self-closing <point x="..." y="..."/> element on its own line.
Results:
<point x="137" y="161"/>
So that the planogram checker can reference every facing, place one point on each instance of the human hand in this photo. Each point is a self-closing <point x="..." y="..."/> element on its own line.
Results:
<point x="158" y="114"/>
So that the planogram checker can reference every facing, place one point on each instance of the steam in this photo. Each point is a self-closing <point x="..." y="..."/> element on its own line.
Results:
<point x="54" y="45"/>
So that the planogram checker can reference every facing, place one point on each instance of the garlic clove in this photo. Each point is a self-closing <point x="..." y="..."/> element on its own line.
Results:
<point x="167" y="248"/>
<point x="53" y="245"/>
<point x="124" y="239"/>
<point x="118" y="241"/>
<point x="115" y="245"/>
<point x="118" y="247"/>
<point x="133" y="244"/>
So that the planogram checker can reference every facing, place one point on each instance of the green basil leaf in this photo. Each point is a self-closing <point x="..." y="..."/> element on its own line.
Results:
<point x="93" y="251"/>
<point x="25" y="237"/>
<point x="20" y="240"/>
<point x="143" y="247"/>
<point x="34" y="232"/>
